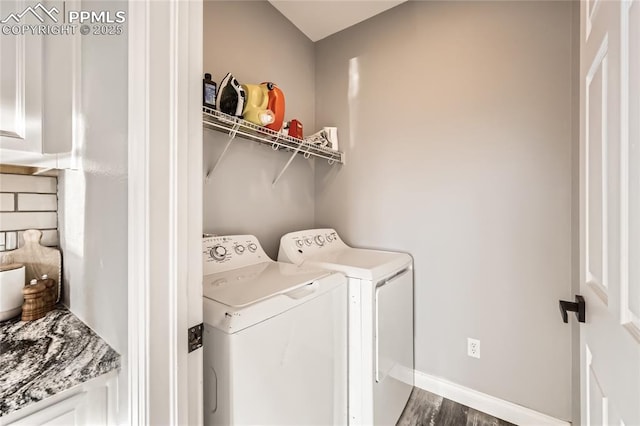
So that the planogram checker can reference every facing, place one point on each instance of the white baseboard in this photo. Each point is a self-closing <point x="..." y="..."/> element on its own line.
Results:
<point x="496" y="407"/>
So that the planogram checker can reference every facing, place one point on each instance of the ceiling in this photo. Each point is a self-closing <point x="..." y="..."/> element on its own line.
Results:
<point x="319" y="19"/>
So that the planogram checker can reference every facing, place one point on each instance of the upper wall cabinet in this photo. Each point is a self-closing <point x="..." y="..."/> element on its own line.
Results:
<point x="20" y="90"/>
<point x="37" y="82"/>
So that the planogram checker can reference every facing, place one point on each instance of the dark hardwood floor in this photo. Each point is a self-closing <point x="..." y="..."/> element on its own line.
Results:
<point x="427" y="409"/>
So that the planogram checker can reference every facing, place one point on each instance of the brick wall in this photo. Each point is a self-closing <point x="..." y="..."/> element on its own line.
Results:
<point x="27" y="202"/>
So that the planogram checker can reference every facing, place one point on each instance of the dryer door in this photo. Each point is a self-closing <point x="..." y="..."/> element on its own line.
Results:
<point x="393" y="347"/>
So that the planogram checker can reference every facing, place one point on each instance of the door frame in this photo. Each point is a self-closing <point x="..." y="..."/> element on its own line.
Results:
<point x="164" y="211"/>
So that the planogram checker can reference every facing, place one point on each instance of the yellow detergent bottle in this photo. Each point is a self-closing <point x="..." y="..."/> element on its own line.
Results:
<point x="256" y="107"/>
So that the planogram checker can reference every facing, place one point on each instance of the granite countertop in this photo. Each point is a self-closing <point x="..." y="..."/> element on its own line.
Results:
<point x="43" y="357"/>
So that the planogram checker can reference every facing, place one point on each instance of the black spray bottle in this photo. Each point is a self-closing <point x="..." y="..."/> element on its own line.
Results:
<point x="209" y="92"/>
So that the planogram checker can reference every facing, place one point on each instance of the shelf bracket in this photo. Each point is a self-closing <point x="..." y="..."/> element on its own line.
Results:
<point x="286" y="166"/>
<point x="232" y="136"/>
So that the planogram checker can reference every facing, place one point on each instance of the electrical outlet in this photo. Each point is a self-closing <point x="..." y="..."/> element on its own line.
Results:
<point x="473" y="348"/>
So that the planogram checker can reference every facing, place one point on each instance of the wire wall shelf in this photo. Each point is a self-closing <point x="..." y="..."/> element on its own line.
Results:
<point x="233" y="126"/>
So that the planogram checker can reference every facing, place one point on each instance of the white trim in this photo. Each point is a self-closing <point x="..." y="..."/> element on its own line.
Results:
<point x="192" y="60"/>
<point x="624" y="165"/>
<point x="599" y="285"/>
<point x="173" y="247"/>
<point x="165" y="210"/>
<point x="491" y="405"/>
<point x="591" y="11"/>
<point x="587" y="386"/>
<point x="138" y="212"/>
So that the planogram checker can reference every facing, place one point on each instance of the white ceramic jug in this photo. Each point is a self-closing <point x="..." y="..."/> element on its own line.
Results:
<point x="11" y="284"/>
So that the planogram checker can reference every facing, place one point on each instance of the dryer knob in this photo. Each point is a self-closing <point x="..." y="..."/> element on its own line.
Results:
<point x="252" y="247"/>
<point x="299" y="243"/>
<point x="329" y="238"/>
<point x="239" y="249"/>
<point x="319" y="240"/>
<point x="308" y="241"/>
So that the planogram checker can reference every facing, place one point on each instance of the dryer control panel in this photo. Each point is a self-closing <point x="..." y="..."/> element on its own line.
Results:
<point x="222" y="253"/>
<point x="296" y="246"/>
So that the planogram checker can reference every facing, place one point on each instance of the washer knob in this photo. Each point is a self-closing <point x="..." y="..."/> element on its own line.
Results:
<point x="252" y="247"/>
<point x="329" y="238"/>
<point x="308" y="241"/>
<point x="319" y="240"/>
<point x="299" y="243"/>
<point x="218" y="252"/>
<point x="239" y="249"/>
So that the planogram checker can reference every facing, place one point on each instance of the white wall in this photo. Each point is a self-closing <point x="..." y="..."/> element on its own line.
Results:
<point x="456" y="122"/>
<point x="256" y="43"/>
<point x="93" y="200"/>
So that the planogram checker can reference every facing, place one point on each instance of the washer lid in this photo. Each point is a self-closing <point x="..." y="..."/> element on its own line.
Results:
<point x="251" y="284"/>
<point x="360" y="263"/>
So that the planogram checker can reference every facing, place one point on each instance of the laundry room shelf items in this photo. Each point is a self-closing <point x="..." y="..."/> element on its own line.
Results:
<point x="233" y="126"/>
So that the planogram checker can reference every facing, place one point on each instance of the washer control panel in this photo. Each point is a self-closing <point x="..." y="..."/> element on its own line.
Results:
<point x="296" y="246"/>
<point x="223" y="253"/>
<point x="315" y="238"/>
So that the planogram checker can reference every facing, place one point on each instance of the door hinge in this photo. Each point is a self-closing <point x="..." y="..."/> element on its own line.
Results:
<point x="194" y="335"/>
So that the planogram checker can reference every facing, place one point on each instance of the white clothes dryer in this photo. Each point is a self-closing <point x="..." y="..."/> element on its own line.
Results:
<point x="381" y="358"/>
<point x="275" y="338"/>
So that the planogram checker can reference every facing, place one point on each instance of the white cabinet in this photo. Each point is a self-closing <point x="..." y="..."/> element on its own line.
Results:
<point x="37" y="91"/>
<point x="70" y="411"/>
<point x="20" y="89"/>
<point x="91" y="403"/>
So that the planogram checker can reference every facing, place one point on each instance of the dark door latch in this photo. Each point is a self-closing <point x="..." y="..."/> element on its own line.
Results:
<point x="578" y="307"/>
<point x="194" y="334"/>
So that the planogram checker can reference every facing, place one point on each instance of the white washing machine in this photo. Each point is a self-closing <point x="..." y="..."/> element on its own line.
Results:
<point x="275" y="338"/>
<point x="381" y="366"/>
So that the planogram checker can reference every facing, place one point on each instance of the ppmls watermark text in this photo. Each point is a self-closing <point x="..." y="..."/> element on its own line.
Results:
<point x="40" y="20"/>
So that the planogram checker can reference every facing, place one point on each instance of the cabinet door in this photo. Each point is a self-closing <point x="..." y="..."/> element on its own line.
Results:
<point x="85" y="408"/>
<point x="20" y="87"/>
<point x="67" y="412"/>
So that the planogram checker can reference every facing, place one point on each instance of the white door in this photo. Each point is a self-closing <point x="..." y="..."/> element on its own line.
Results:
<point x="610" y="211"/>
